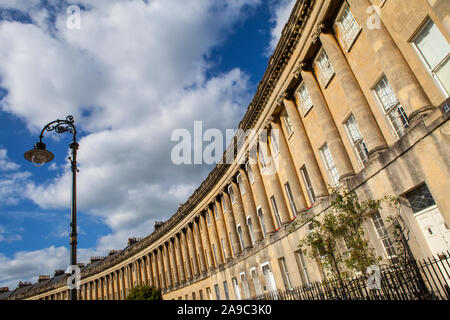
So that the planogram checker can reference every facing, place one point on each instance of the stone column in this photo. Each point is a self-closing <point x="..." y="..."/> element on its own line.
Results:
<point x="206" y="241"/>
<point x="178" y="256"/>
<point x="130" y="276"/>
<point x="162" y="269"/>
<point x="270" y="176"/>
<point x="238" y="209"/>
<point x="192" y="247"/>
<point x="185" y="248"/>
<point x="400" y="76"/>
<point x="328" y="126"/>
<point x="259" y="192"/>
<point x="214" y="235"/>
<point x="168" y="266"/>
<point x="156" y="270"/>
<point x="137" y="268"/>
<point x="199" y="245"/>
<point x="145" y="270"/>
<point x="231" y="222"/>
<point x="249" y="205"/>
<point x="150" y="280"/>
<point x="173" y="262"/>
<point x="222" y="229"/>
<point x="355" y="98"/>
<point x="287" y="164"/>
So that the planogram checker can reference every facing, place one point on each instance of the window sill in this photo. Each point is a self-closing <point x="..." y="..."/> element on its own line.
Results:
<point x="326" y="82"/>
<point x="308" y="110"/>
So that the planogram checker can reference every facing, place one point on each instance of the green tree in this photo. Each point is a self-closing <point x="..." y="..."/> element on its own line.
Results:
<point x="144" y="292"/>
<point x="344" y="222"/>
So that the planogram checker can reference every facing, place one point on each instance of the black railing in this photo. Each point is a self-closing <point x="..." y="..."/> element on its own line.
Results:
<point x="428" y="279"/>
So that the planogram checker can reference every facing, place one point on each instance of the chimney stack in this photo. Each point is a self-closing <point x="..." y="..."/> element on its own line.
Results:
<point x="4" y="289"/>
<point x="59" y="272"/>
<point x="43" y="277"/>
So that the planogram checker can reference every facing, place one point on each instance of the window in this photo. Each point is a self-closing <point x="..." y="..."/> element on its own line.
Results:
<point x="216" y="213"/>
<point x="216" y="288"/>
<point x="241" y="239"/>
<point x="391" y="106"/>
<point x="208" y="218"/>
<point x="285" y="273"/>
<point x="348" y="26"/>
<point x="249" y="172"/>
<point x="275" y="210"/>
<point x="329" y="164"/>
<point x="420" y="199"/>
<point x="304" y="97"/>
<point x="288" y="190"/>
<point x="383" y="235"/>
<point x="223" y="246"/>
<point x="232" y="244"/>
<point x="274" y="138"/>
<point x="225" y="289"/>
<point x="224" y="204"/>
<point x="250" y="227"/>
<point x="193" y="295"/>
<point x="261" y="157"/>
<point x="256" y="282"/>
<point x="325" y="68"/>
<point x="288" y="124"/>
<point x="236" y="288"/>
<point x="435" y="51"/>
<point x="303" y="269"/>
<point x="200" y="293"/>
<point x="357" y="140"/>
<point x="308" y="185"/>
<point x="215" y="254"/>
<point x="231" y="193"/>
<point x="261" y="221"/>
<point x="245" y="285"/>
<point x="209" y="293"/>
<point x="241" y="185"/>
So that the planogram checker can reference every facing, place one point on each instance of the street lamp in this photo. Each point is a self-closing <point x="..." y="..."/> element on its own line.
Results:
<point x="39" y="156"/>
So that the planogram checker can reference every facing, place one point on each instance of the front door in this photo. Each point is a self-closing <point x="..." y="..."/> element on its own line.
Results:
<point x="435" y="230"/>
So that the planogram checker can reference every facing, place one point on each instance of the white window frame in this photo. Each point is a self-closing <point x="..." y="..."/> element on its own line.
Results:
<point x="245" y="285"/>
<point x="217" y="290"/>
<point x="216" y="262"/>
<point x="232" y="244"/>
<point x="274" y="142"/>
<point x="330" y="170"/>
<point x="286" y="274"/>
<point x="237" y="291"/>
<point x="325" y="75"/>
<point x="251" y="177"/>
<point x="208" y="218"/>
<point x="303" y="267"/>
<point x="224" y="204"/>
<point x="431" y="69"/>
<point x="347" y="39"/>
<point x="231" y="193"/>
<point x="308" y="184"/>
<point x="240" y="184"/>
<point x="250" y="229"/>
<point x="305" y="102"/>
<point x="358" y="145"/>
<point x="261" y="220"/>
<point x="262" y="160"/>
<point x="226" y="290"/>
<point x="215" y="210"/>
<point x="275" y="208"/>
<point x="290" y="196"/>
<point x="288" y="124"/>
<point x="395" y="107"/>
<point x="257" y="280"/>
<point x="384" y="236"/>
<point x="240" y="236"/>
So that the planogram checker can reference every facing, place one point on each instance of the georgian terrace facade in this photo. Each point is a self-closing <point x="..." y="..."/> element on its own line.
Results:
<point x="360" y="103"/>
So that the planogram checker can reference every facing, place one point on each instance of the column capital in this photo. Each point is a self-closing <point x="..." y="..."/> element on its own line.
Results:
<point x="281" y="97"/>
<point x="301" y="65"/>
<point x="323" y="27"/>
<point x="270" y="120"/>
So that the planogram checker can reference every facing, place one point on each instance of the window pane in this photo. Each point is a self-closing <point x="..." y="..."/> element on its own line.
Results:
<point x="432" y="44"/>
<point x="420" y="198"/>
<point x="443" y="74"/>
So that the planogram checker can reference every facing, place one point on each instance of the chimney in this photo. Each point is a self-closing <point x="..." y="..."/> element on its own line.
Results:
<point x="24" y="284"/>
<point x="111" y="252"/>
<point x="59" y="272"/>
<point x="132" y="241"/>
<point x="95" y="259"/>
<point x="4" y="289"/>
<point x="43" y="277"/>
<point x="158" y="224"/>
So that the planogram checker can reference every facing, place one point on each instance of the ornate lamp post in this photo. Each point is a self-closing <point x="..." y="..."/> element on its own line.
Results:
<point x="39" y="156"/>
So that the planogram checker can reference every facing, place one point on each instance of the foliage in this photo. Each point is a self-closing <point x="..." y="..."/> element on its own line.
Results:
<point x="144" y="292"/>
<point x="342" y="224"/>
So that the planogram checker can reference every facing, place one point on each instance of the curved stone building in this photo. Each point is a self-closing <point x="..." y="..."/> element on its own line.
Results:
<point x="357" y="92"/>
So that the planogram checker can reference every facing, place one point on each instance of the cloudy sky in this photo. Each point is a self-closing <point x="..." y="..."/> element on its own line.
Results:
<point x="130" y="75"/>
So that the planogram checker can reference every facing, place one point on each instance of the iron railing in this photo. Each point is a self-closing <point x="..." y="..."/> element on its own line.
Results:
<point x="428" y="279"/>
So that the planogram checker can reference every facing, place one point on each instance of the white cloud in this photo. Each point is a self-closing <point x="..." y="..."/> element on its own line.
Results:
<point x="5" y="163"/>
<point x="280" y="17"/>
<point x="11" y="187"/>
<point x="7" y="237"/>
<point x="130" y="76"/>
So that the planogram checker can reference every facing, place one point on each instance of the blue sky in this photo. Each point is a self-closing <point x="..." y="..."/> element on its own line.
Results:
<point x="132" y="73"/>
